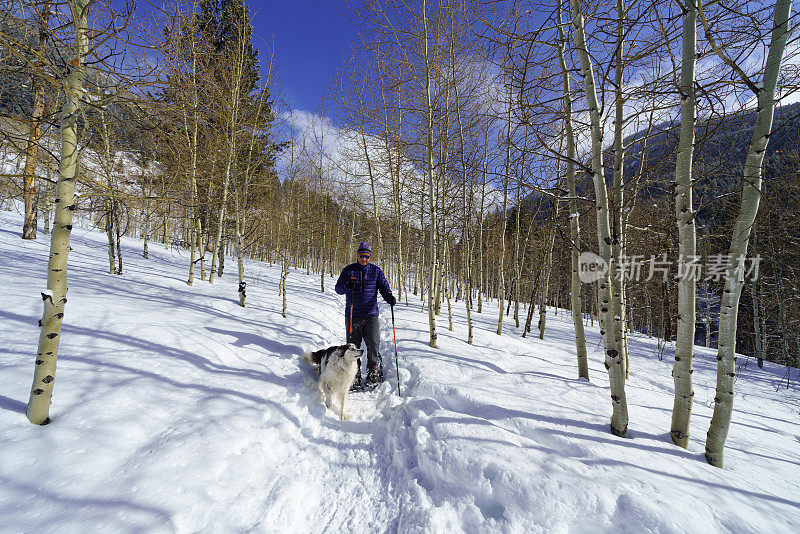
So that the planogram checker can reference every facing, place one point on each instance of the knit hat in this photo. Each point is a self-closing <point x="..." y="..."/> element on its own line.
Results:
<point x="364" y="247"/>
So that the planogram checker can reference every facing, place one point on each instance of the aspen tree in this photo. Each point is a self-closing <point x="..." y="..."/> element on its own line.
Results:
<point x="547" y="269"/>
<point x="147" y="190"/>
<point x="465" y="254"/>
<point x="755" y="297"/>
<point x="396" y="178"/>
<point x="321" y="188"/>
<point x="107" y="164"/>
<point x="751" y="195"/>
<point x="35" y="133"/>
<point x="55" y="297"/>
<point x="618" y="231"/>
<point x="574" y="221"/>
<point x="237" y="58"/>
<point x="191" y="137"/>
<point x="109" y="228"/>
<point x="238" y="241"/>
<point x="481" y="286"/>
<point x="504" y="213"/>
<point x="432" y="263"/>
<point x="517" y="261"/>
<point x="687" y="238"/>
<point x="613" y="359"/>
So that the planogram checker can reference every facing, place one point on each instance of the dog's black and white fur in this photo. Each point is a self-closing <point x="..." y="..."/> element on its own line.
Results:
<point x="337" y="368"/>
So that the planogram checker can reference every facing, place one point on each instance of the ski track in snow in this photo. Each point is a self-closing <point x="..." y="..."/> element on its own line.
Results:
<point x="176" y="410"/>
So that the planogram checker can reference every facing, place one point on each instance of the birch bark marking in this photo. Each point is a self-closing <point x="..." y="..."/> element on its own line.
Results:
<point x="55" y="298"/>
<point x="687" y="238"/>
<point x="613" y="360"/>
<point x="751" y="196"/>
<point x="574" y="221"/>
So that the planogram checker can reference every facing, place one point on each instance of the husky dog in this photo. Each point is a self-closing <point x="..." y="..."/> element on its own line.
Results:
<point x="337" y="368"/>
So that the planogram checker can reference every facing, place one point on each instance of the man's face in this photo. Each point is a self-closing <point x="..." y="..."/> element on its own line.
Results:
<point x="363" y="258"/>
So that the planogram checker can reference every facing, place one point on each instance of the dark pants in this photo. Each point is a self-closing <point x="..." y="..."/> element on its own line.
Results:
<point x="368" y="330"/>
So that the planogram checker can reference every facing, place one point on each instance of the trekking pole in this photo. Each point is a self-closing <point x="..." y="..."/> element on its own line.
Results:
<point x="350" y="294"/>
<point x="396" y="365"/>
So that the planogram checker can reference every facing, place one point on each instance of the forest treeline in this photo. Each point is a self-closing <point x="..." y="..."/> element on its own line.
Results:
<point x="483" y="148"/>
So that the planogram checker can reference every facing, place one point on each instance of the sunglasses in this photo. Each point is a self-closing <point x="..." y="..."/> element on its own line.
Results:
<point x="364" y="256"/>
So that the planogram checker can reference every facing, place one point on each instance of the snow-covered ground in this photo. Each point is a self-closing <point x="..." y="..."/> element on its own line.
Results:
<point x="177" y="410"/>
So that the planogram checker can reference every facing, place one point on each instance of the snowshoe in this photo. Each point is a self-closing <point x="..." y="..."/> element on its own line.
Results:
<point x="374" y="378"/>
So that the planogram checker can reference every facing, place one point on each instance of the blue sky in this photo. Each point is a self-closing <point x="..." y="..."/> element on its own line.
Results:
<point x="310" y="37"/>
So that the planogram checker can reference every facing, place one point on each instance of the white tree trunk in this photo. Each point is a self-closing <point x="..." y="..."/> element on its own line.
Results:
<point x="751" y="196"/>
<point x="196" y="225"/>
<point x="35" y="133"/>
<point x="759" y="347"/>
<point x="574" y="221"/>
<point x="687" y="238"/>
<point x="429" y="172"/>
<point x="613" y="360"/>
<point x="502" y="249"/>
<point x="55" y="298"/>
<point x="548" y="267"/>
<point x="618" y="232"/>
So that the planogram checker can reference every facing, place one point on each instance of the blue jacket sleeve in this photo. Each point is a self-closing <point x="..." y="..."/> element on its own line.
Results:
<point x="383" y="285"/>
<point x="340" y="289"/>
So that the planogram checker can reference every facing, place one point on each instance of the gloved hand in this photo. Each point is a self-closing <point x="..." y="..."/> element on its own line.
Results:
<point x="350" y="285"/>
<point x="391" y="300"/>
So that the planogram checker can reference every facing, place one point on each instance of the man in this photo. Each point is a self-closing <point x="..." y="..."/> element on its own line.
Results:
<point x="361" y="282"/>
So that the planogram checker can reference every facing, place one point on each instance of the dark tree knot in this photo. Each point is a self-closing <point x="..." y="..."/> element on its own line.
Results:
<point x="678" y="435"/>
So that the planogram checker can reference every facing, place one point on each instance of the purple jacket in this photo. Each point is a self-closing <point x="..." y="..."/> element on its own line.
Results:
<point x="368" y="281"/>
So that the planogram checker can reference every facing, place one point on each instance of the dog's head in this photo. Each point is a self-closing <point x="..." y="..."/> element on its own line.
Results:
<point x="351" y="353"/>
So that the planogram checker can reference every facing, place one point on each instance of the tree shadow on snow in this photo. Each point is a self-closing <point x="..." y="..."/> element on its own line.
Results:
<point x="244" y="339"/>
<point x="86" y="508"/>
<point x="692" y="480"/>
<point x="12" y="405"/>
<point x="145" y="346"/>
